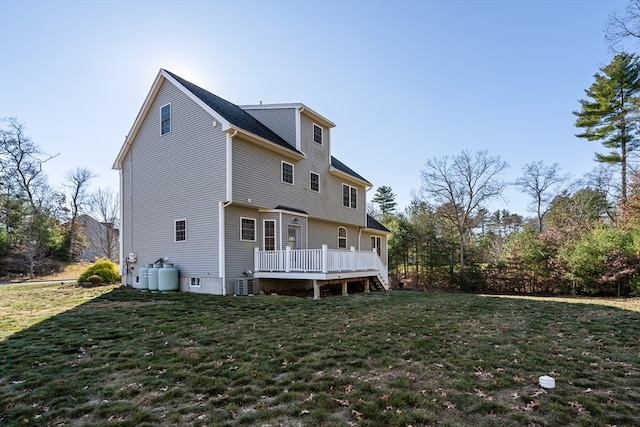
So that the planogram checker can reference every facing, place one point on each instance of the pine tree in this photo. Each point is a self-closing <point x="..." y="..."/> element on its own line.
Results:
<point x="386" y="200"/>
<point x="612" y="112"/>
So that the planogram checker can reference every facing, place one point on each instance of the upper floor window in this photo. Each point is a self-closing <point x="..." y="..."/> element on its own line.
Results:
<point x="342" y="238"/>
<point x="248" y="229"/>
<point x="314" y="181"/>
<point x="317" y="134"/>
<point x="287" y="172"/>
<point x="349" y="196"/>
<point x="180" y="230"/>
<point x="165" y="119"/>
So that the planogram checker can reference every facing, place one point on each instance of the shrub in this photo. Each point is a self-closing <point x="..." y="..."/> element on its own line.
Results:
<point x="103" y="268"/>
<point x="94" y="279"/>
<point x="601" y="260"/>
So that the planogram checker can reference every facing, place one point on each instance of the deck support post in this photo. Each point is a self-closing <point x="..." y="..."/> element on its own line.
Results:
<point x="344" y="288"/>
<point x="316" y="290"/>
<point x="366" y="285"/>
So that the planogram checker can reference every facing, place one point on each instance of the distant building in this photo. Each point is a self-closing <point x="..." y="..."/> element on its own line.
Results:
<point x="102" y="239"/>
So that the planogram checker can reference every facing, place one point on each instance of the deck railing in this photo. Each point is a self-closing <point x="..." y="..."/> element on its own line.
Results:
<point x="322" y="260"/>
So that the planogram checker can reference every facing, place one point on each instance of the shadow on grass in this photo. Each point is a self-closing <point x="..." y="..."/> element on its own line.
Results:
<point x="397" y="359"/>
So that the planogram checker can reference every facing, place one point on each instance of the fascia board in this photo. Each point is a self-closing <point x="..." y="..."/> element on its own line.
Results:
<point x="155" y="87"/>
<point x="315" y="116"/>
<point x="252" y="137"/>
<point x="348" y="177"/>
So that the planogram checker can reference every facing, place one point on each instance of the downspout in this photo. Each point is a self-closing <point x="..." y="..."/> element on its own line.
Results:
<point x="221" y="245"/>
<point x="221" y="217"/>
<point x="121" y="240"/>
<point x="359" y="236"/>
<point x="280" y="226"/>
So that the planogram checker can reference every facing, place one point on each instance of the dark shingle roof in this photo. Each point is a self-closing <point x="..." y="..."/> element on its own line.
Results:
<point x="240" y="118"/>
<point x="234" y="114"/>
<point x="372" y="223"/>
<point x="346" y="169"/>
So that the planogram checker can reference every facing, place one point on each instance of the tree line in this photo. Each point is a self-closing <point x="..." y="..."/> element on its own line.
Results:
<point x="583" y="235"/>
<point x="42" y="227"/>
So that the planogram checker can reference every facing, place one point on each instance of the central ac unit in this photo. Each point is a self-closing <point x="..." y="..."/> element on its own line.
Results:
<point x="244" y="286"/>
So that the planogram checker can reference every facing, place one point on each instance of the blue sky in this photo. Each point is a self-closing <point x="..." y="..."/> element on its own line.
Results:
<point x="404" y="81"/>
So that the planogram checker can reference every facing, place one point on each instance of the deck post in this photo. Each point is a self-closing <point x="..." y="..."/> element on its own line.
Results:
<point x="366" y="285"/>
<point x="316" y="290"/>
<point x="353" y="258"/>
<point x="344" y="288"/>
<point x="256" y="259"/>
<point x="287" y="259"/>
<point x="325" y="258"/>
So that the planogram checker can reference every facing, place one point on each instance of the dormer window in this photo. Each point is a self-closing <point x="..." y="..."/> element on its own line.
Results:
<point x="317" y="134"/>
<point x="165" y="119"/>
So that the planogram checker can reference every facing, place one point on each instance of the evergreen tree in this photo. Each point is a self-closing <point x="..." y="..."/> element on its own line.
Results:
<point x="386" y="200"/>
<point x="611" y="113"/>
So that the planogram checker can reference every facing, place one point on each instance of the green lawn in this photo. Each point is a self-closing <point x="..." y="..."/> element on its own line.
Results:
<point x="120" y="357"/>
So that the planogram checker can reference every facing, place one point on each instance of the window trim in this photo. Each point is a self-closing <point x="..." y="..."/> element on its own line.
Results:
<point x="311" y="173"/>
<point x="282" y="163"/>
<point x="195" y="282"/>
<point x="316" y="126"/>
<point x="345" y="238"/>
<point x="353" y="192"/>
<point x="175" y="230"/>
<point x="162" y="121"/>
<point x="255" y="231"/>
<point x="264" y="234"/>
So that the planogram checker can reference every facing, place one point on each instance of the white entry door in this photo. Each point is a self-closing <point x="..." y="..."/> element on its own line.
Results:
<point x="294" y="239"/>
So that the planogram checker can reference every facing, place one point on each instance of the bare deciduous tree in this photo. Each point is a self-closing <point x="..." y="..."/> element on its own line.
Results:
<point x="105" y="207"/>
<point x="620" y="27"/>
<point x="25" y="180"/>
<point x="461" y="185"/>
<point x="78" y="182"/>
<point x="542" y="183"/>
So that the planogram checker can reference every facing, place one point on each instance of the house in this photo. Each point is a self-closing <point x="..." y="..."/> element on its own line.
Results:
<point x="101" y="239"/>
<point x="242" y="198"/>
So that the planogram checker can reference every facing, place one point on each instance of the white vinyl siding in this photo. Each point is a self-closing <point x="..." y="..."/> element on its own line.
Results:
<point x="154" y="174"/>
<point x="257" y="179"/>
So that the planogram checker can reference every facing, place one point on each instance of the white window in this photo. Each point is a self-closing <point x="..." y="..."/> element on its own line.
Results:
<point x="248" y="229"/>
<point x="287" y="172"/>
<point x="317" y="134"/>
<point x="342" y="238"/>
<point x="165" y="119"/>
<point x="349" y="196"/>
<point x="314" y="181"/>
<point x="180" y="226"/>
<point x="269" y="235"/>
<point x="195" y="282"/>
<point x="375" y="243"/>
